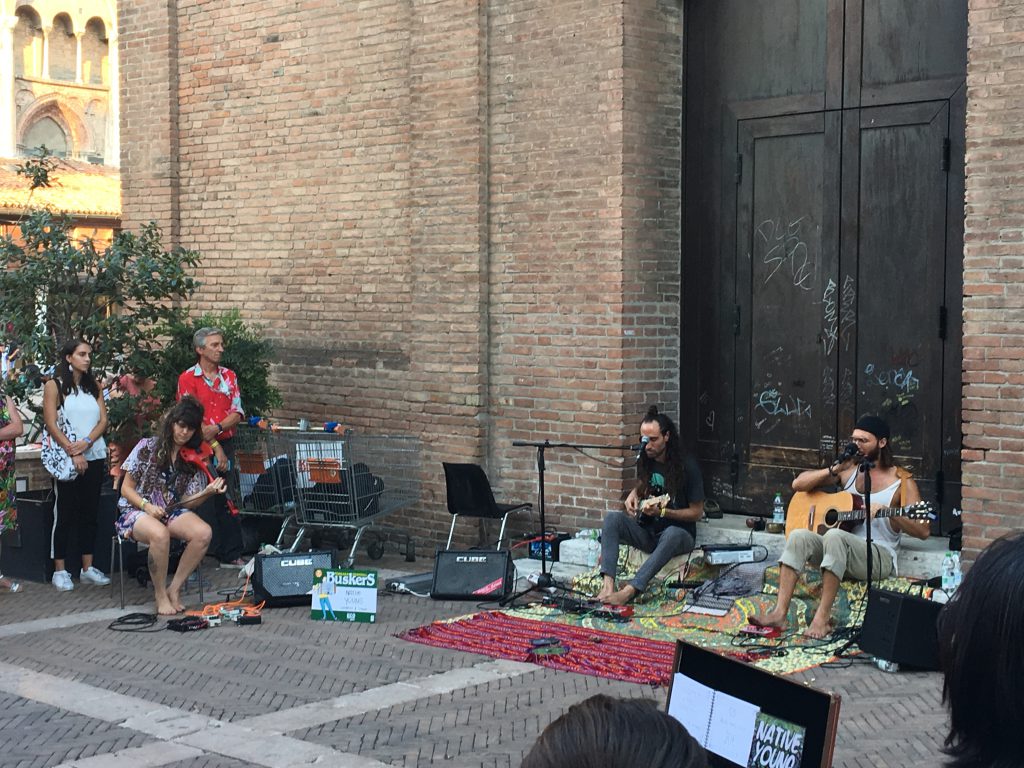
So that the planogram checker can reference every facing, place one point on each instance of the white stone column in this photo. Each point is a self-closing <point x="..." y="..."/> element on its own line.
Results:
<point x="8" y="113"/>
<point x="46" y="52"/>
<point x="78" y="57"/>
<point x="112" y="144"/>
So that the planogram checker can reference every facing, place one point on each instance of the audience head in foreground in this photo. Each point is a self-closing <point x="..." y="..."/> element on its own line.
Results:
<point x="981" y="644"/>
<point x="603" y="732"/>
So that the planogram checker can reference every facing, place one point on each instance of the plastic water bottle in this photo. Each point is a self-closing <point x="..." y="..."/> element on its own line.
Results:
<point x="948" y="574"/>
<point x="958" y="574"/>
<point x="778" y="510"/>
<point x="887" y="666"/>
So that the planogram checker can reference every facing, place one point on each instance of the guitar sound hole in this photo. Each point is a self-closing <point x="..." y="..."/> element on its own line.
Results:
<point x="831" y="518"/>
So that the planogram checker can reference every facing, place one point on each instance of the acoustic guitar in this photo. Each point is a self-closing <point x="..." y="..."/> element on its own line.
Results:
<point x="818" y="511"/>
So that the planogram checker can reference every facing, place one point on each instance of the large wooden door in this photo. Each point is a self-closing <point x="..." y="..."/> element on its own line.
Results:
<point x="822" y="236"/>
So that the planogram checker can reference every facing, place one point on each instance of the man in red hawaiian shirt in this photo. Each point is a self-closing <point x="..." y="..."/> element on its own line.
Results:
<point x="216" y="387"/>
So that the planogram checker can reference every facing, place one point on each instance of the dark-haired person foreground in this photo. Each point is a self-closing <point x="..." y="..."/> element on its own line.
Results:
<point x="663" y="531"/>
<point x="981" y="647"/>
<point x="158" y="491"/>
<point x="74" y="393"/>
<point x="840" y="553"/>
<point x="603" y="732"/>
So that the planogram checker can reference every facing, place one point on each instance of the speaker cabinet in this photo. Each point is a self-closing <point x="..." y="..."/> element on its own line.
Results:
<point x="286" y="578"/>
<point x="901" y="628"/>
<point x="484" y="574"/>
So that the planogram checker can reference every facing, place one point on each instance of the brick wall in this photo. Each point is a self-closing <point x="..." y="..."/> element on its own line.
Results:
<point x="456" y="220"/>
<point x="149" y="167"/>
<point x="993" y="416"/>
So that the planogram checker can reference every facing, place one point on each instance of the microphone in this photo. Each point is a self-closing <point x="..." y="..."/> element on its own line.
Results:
<point x="849" y="452"/>
<point x="640" y="449"/>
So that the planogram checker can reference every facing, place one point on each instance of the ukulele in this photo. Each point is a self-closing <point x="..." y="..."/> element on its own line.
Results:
<point x="818" y="511"/>
<point x="198" y="457"/>
<point x="648" y="503"/>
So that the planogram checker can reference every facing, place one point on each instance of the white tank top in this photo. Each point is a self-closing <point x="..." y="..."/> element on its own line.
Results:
<point x="882" y="533"/>
<point x="82" y="411"/>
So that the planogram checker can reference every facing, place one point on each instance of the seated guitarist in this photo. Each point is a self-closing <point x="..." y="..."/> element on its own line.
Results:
<point x="664" y="529"/>
<point x="842" y="553"/>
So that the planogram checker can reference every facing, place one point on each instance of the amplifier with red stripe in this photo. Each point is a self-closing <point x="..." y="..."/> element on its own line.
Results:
<point x="476" y="574"/>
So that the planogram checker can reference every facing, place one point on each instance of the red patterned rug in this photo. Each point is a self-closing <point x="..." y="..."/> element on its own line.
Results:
<point x="562" y="646"/>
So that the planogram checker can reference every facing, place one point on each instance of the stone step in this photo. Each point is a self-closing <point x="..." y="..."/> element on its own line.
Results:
<point x="917" y="559"/>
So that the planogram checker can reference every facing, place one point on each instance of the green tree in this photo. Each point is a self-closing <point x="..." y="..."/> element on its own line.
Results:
<point x="246" y="352"/>
<point x="120" y="298"/>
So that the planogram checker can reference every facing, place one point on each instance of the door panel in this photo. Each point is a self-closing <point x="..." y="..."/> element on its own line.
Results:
<point x="787" y="231"/>
<point x="900" y="266"/>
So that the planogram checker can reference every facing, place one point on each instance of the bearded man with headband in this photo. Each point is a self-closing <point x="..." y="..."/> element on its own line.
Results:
<point x="840" y="553"/>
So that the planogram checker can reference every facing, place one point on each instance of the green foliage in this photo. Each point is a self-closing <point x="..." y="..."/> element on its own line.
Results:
<point x="119" y="299"/>
<point x="55" y="287"/>
<point x="246" y="352"/>
<point x="130" y="417"/>
<point x="38" y="169"/>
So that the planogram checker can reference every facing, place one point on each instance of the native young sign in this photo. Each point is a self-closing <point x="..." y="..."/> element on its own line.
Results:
<point x="777" y="743"/>
<point x="344" y="596"/>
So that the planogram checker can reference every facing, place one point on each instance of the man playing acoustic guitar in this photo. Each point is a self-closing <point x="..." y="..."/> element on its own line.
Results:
<point x="842" y="553"/>
<point x="661" y="513"/>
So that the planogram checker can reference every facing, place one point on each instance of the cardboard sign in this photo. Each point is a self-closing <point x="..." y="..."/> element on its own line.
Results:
<point x="344" y="595"/>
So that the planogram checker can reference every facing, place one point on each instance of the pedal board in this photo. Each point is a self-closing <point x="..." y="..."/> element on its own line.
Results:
<point x="727" y="554"/>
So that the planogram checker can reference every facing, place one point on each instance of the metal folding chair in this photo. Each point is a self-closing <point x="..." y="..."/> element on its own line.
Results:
<point x="117" y="544"/>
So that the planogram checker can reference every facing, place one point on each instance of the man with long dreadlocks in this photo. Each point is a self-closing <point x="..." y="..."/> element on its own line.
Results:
<point x="661" y="511"/>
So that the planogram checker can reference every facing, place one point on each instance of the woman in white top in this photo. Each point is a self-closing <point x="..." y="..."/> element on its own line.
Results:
<point x="75" y="390"/>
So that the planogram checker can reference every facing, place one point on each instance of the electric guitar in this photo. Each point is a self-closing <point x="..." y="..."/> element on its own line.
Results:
<point x="818" y="511"/>
<point x="198" y="457"/>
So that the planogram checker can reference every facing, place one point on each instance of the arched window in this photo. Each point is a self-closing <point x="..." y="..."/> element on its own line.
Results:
<point x="28" y="44"/>
<point x="46" y="131"/>
<point x="94" y="53"/>
<point x="63" y="49"/>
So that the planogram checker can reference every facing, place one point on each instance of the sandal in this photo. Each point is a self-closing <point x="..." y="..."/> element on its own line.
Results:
<point x="9" y="585"/>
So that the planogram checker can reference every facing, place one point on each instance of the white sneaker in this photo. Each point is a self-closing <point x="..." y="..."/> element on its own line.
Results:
<point x="62" y="581"/>
<point x="93" y="575"/>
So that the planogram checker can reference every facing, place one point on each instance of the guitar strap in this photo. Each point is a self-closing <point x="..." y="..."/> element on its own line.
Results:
<point x="903" y="474"/>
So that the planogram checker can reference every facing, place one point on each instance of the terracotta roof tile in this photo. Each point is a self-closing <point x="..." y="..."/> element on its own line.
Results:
<point x="77" y="188"/>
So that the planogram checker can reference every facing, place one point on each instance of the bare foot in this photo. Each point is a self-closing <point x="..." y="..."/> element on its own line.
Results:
<point x="165" y="608"/>
<point x="174" y="598"/>
<point x="623" y="597"/>
<point x="819" y="629"/>
<point x="606" y="591"/>
<point x="770" y="619"/>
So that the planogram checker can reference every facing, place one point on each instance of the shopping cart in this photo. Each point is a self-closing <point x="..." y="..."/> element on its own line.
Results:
<point x="351" y="481"/>
<point x="265" y="484"/>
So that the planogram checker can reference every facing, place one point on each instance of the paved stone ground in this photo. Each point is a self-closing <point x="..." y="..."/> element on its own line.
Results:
<point x="297" y="692"/>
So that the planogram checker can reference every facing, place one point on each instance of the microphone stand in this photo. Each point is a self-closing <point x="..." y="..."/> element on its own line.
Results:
<point x="865" y="468"/>
<point x="544" y="578"/>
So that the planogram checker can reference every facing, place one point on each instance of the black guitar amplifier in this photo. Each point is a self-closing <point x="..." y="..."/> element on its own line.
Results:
<point x="286" y="578"/>
<point x="478" y="574"/>
<point x="901" y="628"/>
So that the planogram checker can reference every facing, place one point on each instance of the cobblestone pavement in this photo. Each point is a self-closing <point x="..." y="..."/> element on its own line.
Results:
<point x="296" y="692"/>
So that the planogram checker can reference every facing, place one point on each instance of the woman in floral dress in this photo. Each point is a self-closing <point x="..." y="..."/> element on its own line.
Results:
<point x="10" y="429"/>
